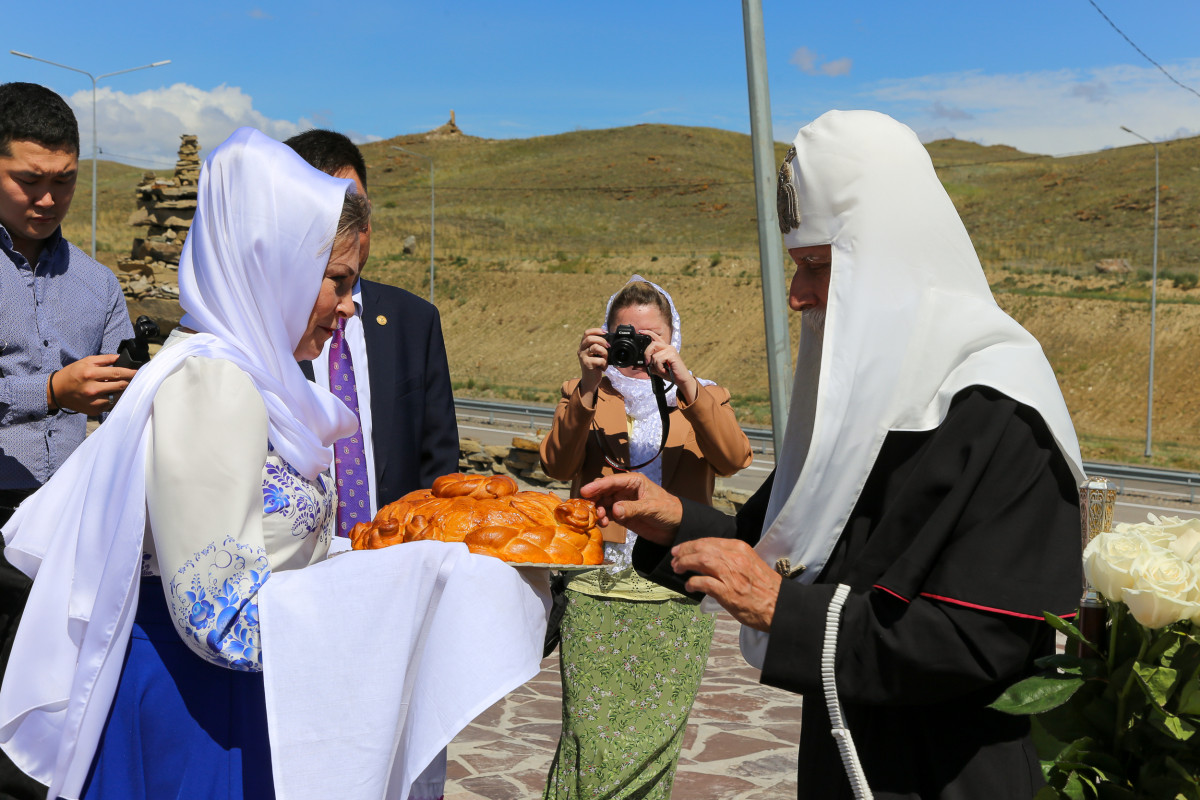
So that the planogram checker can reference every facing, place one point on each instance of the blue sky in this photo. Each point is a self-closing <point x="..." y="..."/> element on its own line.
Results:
<point x="1046" y="76"/>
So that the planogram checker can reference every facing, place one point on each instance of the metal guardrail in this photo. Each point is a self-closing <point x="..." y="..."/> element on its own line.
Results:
<point x="762" y="441"/>
<point x="1120" y="473"/>
<point x="491" y="407"/>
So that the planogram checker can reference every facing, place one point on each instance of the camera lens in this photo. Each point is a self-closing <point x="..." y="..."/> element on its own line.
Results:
<point x="623" y="354"/>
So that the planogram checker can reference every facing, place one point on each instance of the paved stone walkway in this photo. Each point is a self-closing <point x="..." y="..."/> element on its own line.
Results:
<point x="740" y="744"/>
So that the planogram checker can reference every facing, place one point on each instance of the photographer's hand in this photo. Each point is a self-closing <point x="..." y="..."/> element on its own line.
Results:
<point x="89" y="386"/>
<point x="593" y="358"/>
<point x="664" y="360"/>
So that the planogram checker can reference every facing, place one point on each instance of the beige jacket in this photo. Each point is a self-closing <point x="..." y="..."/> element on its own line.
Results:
<point x="705" y="440"/>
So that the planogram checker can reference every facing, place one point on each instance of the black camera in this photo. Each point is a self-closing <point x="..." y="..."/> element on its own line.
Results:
<point x="626" y="347"/>
<point x="134" y="353"/>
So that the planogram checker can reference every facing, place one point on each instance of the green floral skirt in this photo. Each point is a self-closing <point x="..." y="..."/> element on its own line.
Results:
<point x="630" y="671"/>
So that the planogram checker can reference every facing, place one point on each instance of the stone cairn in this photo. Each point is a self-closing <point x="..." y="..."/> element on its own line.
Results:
<point x="523" y="462"/>
<point x="165" y="209"/>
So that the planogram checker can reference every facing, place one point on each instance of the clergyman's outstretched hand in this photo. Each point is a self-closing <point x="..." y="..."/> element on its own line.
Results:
<point x="730" y="572"/>
<point x="636" y="502"/>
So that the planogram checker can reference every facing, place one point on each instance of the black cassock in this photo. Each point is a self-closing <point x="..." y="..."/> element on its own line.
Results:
<point x="961" y="537"/>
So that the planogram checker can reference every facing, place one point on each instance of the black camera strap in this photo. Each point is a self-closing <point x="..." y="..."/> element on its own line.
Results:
<point x="664" y="413"/>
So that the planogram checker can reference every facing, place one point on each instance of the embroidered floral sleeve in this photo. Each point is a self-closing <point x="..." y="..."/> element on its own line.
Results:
<point x="214" y="601"/>
<point x="205" y="507"/>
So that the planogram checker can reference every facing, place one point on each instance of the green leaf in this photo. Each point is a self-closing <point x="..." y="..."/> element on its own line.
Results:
<point x="1159" y="682"/>
<point x="1038" y="693"/>
<point x="1074" y="788"/>
<point x="1172" y="726"/>
<point x="1072" y="633"/>
<point x="1164" y="646"/>
<point x="1084" y="757"/>
<point x="1072" y="665"/>
<point x="1183" y="772"/>
<point x="1189" y="697"/>
<point x="1089" y="713"/>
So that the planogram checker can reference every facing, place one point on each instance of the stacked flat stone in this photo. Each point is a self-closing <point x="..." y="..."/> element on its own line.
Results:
<point x="165" y="208"/>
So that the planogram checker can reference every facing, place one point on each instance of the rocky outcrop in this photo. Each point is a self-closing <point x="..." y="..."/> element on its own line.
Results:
<point x="1113" y="266"/>
<point x="448" y="131"/>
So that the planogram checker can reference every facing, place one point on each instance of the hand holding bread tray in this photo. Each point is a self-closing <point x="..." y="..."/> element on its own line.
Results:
<point x="489" y="516"/>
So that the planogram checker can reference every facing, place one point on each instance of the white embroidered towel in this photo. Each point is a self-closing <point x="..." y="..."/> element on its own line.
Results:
<point x="373" y="661"/>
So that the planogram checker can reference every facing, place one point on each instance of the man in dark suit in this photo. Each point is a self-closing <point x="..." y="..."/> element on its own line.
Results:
<point x="405" y="402"/>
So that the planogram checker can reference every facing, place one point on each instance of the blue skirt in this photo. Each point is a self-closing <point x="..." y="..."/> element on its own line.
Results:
<point x="180" y="727"/>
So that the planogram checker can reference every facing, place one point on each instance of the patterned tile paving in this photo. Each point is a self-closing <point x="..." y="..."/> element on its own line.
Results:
<point x="740" y="744"/>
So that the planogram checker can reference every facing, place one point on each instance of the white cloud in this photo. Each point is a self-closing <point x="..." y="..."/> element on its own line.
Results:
<point x="940" y="110"/>
<point x="144" y="128"/>
<point x="839" y="66"/>
<point x="811" y="63"/>
<point x="1058" y="112"/>
<point x="1095" y="92"/>
<point x="258" y="13"/>
<point x="806" y="60"/>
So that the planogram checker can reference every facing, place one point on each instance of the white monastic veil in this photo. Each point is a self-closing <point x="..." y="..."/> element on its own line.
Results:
<point x="248" y="277"/>
<point x="910" y="322"/>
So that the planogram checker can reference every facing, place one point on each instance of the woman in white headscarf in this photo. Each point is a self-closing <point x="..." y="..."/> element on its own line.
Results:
<point x="136" y="672"/>
<point x="924" y="511"/>
<point x="645" y="646"/>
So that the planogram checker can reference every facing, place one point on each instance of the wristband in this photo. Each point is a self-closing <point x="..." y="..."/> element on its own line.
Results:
<point x="53" y="399"/>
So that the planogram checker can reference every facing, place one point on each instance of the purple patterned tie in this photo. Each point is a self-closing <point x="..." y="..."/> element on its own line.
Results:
<point x="349" y="455"/>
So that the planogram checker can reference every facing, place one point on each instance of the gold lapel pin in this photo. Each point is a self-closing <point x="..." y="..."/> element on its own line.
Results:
<point x="381" y="319"/>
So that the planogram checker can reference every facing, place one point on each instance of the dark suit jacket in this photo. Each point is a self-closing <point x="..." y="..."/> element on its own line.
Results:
<point x="415" y="433"/>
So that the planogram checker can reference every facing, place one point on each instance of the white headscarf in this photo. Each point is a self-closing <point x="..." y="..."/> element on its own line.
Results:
<point x="910" y="322"/>
<point x="249" y="277"/>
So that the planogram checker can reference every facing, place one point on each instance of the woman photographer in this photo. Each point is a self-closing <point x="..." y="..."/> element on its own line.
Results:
<point x="633" y="653"/>
<point x="137" y="669"/>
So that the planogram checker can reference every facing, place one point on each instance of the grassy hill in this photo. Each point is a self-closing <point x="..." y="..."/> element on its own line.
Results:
<point x="532" y="235"/>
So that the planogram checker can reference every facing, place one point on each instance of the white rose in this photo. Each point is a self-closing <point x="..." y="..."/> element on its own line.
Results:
<point x="1107" y="559"/>
<point x="1152" y="531"/>
<point x="1164" y="589"/>
<point x="1187" y="546"/>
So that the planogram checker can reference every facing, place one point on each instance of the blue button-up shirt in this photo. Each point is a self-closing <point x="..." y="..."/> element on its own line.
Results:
<point x="62" y="309"/>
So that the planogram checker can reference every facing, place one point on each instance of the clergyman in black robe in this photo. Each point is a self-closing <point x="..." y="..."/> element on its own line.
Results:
<point x="929" y="466"/>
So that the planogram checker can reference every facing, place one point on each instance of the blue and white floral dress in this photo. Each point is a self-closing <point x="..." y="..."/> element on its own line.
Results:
<point x="224" y="511"/>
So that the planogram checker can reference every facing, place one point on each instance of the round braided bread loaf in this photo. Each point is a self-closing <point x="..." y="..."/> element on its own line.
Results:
<point x="489" y="516"/>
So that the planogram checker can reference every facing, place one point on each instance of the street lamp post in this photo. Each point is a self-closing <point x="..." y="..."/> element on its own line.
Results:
<point x="431" y="207"/>
<point x="1153" y="292"/>
<point x="95" y="79"/>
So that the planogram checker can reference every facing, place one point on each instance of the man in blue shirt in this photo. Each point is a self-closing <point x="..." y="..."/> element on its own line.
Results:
<point x="61" y="312"/>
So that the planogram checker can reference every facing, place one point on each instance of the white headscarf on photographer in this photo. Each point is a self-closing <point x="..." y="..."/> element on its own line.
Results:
<point x="910" y="321"/>
<point x="641" y="406"/>
<point x="248" y="277"/>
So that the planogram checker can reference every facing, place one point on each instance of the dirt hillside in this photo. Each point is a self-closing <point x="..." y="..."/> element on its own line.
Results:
<point x="511" y="333"/>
